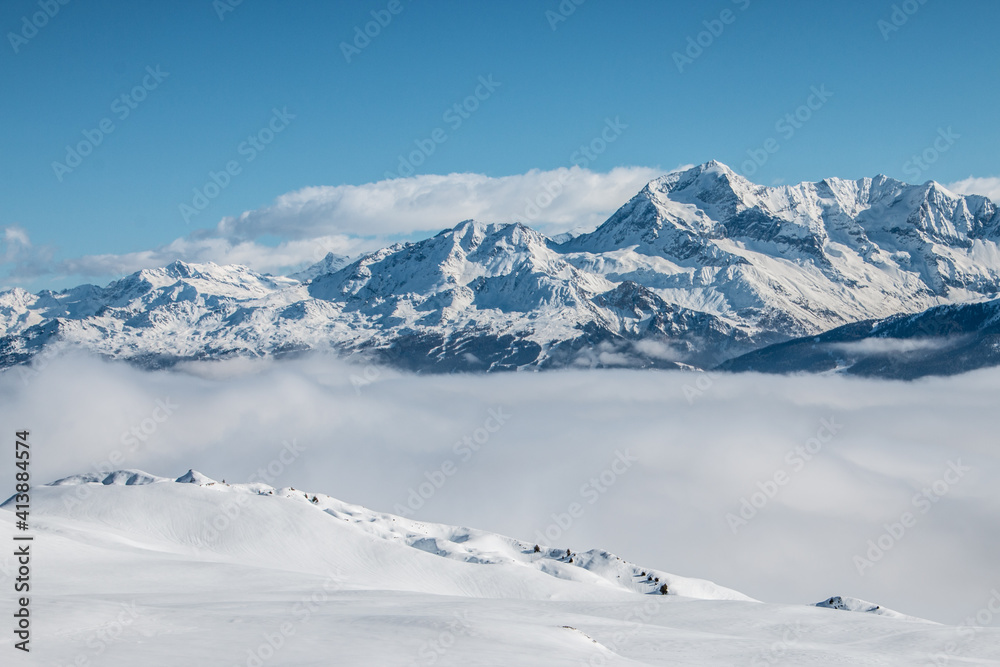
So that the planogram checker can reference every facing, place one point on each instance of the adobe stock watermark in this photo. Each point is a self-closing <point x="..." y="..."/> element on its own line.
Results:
<point x="138" y="435"/>
<point x="454" y="116"/>
<point x="121" y="107"/>
<point x="232" y="508"/>
<point x="223" y="7"/>
<point x="796" y="459"/>
<point x="714" y="28"/>
<point x="785" y="127"/>
<point x="306" y="607"/>
<point x="107" y="634"/>
<point x="562" y="13"/>
<point x="270" y="643"/>
<point x="434" y="649"/>
<point x="703" y="383"/>
<point x="922" y="502"/>
<point x="922" y="161"/>
<point x="131" y="440"/>
<point x="31" y="24"/>
<point x="775" y="654"/>
<point x="581" y="158"/>
<point x="637" y="617"/>
<point x="591" y="491"/>
<point x="966" y="631"/>
<point x="363" y="35"/>
<point x="249" y="149"/>
<point x="35" y="366"/>
<point x="372" y="371"/>
<point x="464" y="449"/>
<point x="898" y="17"/>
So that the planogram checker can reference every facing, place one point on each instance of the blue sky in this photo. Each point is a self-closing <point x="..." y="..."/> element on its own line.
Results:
<point x="555" y="80"/>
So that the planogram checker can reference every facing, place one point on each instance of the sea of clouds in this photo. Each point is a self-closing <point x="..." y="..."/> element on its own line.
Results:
<point x="789" y="489"/>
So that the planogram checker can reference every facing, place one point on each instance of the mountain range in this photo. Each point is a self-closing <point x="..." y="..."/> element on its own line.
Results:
<point x="699" y="269"/>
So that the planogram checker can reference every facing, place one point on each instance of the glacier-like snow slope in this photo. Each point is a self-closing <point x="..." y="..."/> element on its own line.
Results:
<point x="699" y="267"/>
<point x="130" y="568"/>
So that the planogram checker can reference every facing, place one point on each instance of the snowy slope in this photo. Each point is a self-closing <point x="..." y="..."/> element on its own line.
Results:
<point x="699" y="267"/>
<point x="307" y="532"/>
<point x="854" y="604"/>
<point x="944" y="340"/>
<point x="137" y="569"/>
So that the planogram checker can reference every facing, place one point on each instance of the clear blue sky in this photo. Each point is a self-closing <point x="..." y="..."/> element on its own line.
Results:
<point x="353" y="120"/>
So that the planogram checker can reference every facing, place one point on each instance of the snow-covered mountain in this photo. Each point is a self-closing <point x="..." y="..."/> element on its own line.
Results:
<point x="699" y="267"/>
<point x="797" y="260"/>
<point x="944" y="340"/>
<point x="195" y="571"/>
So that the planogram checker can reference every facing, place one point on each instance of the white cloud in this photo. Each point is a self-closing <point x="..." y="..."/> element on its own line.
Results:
<point x="351" y="219"/>
<point x="25" y="258"/>
<point x="884" y="346"/>
<point x="15" y="236"/>
<point x="988" y="187"/>
<point x="659" y="350"/>
<point x="552" y="201"/>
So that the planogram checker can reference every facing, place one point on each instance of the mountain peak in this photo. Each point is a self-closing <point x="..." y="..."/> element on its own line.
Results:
<point x="331" y="263"/>
<point x="716" y="166"/>
<point x="712" y="181"/>
<point x="182" y="269"/>
<point x="192" y="476"/>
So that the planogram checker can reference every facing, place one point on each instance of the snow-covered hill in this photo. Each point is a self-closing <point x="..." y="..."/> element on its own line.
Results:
<point x="701" y="266"/>
<point x="134" y="567"/>
<point x="313" y="532"/>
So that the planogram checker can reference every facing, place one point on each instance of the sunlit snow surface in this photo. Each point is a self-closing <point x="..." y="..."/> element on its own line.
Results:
<point x="130" y="568"/>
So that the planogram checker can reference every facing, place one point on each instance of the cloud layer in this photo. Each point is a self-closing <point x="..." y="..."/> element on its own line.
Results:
<point x="555" y="201"/>
<point x="885" y="346"/>
<point x="351" y="219"/>
<point x="700" y="446"/>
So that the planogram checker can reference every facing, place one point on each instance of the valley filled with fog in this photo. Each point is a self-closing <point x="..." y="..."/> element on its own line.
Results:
<point x="788" y="489"/>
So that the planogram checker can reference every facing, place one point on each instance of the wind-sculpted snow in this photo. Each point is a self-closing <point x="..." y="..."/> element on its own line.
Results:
<point x="324" y="532"/>
<point x="699" y="267"/>
<point x="139" y="569"/>
<point x="854" y="604"/>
